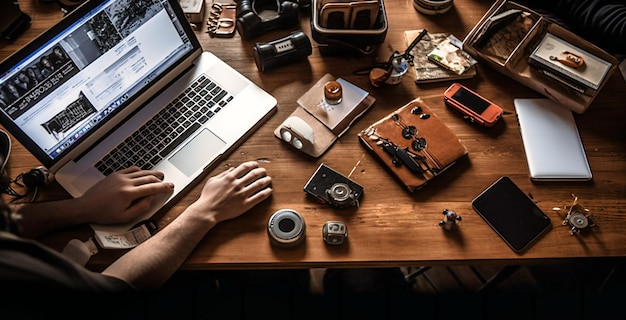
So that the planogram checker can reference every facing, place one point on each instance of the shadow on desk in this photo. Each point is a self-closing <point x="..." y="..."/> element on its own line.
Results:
<point x="577" y="290"/>
<point x="573" y="290"/>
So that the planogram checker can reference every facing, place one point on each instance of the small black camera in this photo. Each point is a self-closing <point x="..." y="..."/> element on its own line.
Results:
<point x="293" y="47"/>
<point x="331" y="187"/>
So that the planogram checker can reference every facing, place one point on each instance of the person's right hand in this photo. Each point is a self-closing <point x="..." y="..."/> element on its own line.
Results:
<point x="233" y="192"/>
<point x="123" y="195"/>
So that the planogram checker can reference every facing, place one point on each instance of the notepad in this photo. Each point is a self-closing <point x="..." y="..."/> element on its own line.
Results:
<point x="552" y="144"/>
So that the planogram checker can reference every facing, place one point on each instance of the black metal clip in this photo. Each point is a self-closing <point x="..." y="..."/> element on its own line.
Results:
<point x="402" y="156"/>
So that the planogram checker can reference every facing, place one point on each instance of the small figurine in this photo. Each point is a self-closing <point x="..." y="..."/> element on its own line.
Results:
<point x="450" y="219"/>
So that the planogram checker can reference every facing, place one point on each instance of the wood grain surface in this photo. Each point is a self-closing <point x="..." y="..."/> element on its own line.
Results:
<point x="391" y="226"/>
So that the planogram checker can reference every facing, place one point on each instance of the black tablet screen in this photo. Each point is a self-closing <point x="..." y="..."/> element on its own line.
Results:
<point x="512" y="214"/>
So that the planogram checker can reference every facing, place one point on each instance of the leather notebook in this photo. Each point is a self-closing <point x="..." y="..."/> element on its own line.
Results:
<point x="413" y="144"/>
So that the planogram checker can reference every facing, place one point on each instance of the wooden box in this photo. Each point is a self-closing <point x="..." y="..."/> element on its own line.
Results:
<point x="509" y="45"/>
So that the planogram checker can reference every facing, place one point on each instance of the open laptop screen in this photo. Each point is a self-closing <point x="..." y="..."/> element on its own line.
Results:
<point x="72" y="79"/>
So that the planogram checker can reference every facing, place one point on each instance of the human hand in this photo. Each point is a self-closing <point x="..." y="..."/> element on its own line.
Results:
<point x="123" y="195"/>
<point x="233" y="192"/>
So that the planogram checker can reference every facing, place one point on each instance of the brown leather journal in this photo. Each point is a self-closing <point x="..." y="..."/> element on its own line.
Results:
<point x="413" y="143"/>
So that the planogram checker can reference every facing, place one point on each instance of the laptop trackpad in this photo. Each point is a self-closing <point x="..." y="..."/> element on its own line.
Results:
<point x="194" y="155"/>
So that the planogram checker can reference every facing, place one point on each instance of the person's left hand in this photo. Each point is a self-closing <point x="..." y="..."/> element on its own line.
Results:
<point x="123" y="195"/>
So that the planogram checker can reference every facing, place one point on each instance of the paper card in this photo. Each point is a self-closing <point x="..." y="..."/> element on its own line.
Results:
<point x="449" y="55"/>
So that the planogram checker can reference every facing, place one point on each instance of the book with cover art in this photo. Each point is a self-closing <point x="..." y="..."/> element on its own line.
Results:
<point x="426" y="70"/>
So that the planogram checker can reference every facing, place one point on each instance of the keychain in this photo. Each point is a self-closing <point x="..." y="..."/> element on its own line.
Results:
<point x="569" y="59"/>
<point x="221" y="21"/>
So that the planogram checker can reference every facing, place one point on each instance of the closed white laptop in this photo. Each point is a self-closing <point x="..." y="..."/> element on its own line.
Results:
<point x="103" y="72"/>
<point x="553" y="147"/>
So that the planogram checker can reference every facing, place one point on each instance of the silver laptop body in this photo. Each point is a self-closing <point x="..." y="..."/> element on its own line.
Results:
<point x="552" y="144"/>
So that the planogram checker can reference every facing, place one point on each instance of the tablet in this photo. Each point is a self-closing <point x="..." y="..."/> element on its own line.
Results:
<point x="512" y="214"/>
<point x="554" y="150"/>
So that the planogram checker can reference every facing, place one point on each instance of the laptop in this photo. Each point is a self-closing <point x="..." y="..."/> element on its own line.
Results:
<point x="553" y="147"/>
<point x="77" y="95"/>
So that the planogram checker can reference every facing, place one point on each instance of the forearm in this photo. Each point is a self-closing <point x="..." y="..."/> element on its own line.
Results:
<point x="118" y="198"/>
<point x="150" y="264"/>
<point x="38" y="218"/>
<point x="223" y="197"/>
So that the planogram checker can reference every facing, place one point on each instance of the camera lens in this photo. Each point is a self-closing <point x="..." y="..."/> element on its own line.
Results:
<point x="579" y="221"/>
<point x="340" y="194"/>
<point x="286" y="228"/>
<point x="286" y="225"/>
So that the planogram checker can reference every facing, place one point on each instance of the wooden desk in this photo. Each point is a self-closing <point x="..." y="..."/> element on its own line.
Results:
<point x="392" y="227"/>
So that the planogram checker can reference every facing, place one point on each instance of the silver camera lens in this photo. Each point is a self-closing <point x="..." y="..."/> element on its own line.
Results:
<point x="286" y="228"/>
<point x="340" y="194"/>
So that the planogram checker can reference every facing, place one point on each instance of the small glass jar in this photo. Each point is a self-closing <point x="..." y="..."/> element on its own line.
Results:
<point x="333" y="92"/>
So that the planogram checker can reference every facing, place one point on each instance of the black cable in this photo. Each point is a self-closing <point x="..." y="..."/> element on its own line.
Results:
<point x="30" y="181"/>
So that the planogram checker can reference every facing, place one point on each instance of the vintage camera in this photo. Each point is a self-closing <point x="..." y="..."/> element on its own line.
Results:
<point x="330" y="187"/>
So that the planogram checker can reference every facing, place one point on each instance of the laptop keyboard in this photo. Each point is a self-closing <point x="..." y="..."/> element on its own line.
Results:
<point x="154" y="140"/>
